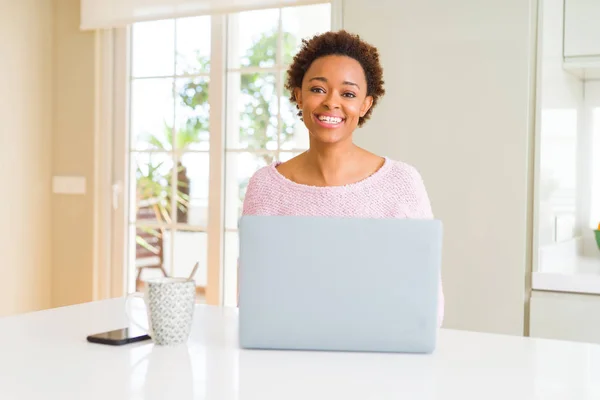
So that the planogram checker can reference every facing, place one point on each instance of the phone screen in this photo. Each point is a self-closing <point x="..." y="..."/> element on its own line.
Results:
<point x="119" y="336"/>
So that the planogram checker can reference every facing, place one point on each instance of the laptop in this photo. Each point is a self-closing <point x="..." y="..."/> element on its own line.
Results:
<point x="339" y="284"/>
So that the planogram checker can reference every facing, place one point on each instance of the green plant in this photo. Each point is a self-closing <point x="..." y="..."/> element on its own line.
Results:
<point x="153" y="193"/>
<point x="139" y="239"/>
<point x="183" y="139"/>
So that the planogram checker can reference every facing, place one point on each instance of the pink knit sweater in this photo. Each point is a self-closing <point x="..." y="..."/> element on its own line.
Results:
<point x="396" y="190"/>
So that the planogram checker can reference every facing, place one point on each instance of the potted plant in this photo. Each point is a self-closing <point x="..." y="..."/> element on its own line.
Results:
<point x="154" y="198"/>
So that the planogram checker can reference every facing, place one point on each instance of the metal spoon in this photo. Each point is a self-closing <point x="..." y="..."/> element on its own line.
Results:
<point x="194" y="270"/>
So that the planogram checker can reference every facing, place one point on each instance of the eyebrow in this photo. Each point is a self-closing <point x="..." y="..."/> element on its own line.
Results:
<point x="323" y="79"/>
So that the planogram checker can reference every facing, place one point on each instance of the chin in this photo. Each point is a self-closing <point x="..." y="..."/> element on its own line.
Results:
<point x="328" y="138"/>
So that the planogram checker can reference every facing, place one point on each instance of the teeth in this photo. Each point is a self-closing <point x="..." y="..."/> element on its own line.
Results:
<point x="330" y="120"/>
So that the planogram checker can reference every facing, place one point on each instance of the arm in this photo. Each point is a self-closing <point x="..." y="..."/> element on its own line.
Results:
<point x="420" y="207"/>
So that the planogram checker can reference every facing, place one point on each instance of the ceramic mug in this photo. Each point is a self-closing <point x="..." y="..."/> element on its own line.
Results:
<point x="170" y="309"/>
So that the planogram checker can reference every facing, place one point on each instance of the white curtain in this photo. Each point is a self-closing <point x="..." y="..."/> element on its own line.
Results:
<point x="100" y="14"/>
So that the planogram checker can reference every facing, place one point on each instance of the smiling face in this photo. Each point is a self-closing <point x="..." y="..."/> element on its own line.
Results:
<point x="333" y="97"/>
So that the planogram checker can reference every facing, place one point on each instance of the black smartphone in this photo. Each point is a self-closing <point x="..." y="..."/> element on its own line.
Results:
<point x="119" y="337"/>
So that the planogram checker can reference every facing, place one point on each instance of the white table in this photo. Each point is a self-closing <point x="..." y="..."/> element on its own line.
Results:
<point x="45" y="355"/>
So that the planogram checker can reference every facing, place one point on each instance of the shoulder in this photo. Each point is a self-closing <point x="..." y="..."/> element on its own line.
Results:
<point x="406" y="182"/>
<point x="402" y="173"/>
<point x="259" y="186"/>
<point x="261" y="179"/>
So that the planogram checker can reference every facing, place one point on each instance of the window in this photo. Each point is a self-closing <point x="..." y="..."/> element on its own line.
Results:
<point x="169" y="151"/>
<point x="593" y="106"/>
<point x="172" y="65"/>
<point x="594" y="218"/>
<point x="558" y="176"/>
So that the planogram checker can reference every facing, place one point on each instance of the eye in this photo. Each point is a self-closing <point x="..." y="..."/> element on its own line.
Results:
<point x="317" y="90"/>
<point x="350" y="95"/>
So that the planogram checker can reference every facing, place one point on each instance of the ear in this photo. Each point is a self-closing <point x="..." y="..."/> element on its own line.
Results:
<point x="298" y="96"/>
<point x="366" y="105"/>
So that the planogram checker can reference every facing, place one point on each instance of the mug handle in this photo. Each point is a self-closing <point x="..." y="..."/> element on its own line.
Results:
<point x="130" y="316"/>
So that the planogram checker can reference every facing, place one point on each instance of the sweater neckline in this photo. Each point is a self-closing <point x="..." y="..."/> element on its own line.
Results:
<point x="375" y="176"/>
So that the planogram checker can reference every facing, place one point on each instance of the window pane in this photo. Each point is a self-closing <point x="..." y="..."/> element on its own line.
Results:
<point x="192" y="189"/>
<point x="230" y="270"/>
<point x="153" y="45"/>
<point x="150" y="196"/>
<point x="239" y="168"/>
<point x="192" y="114"/>
<point x="151" y="114"/>
<point x="300" y="23"/>
<point x="294" y="134"/>
<point x="193" y="45"/>
<point x="189" y="248"/>
<point x="595" y="174"/>
<point x="253" y="38"/>
<point x="255" y="127"/>
<point x="148" y="252"/>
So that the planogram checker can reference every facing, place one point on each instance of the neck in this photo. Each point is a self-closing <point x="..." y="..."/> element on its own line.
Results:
<point x="331" y="163"/>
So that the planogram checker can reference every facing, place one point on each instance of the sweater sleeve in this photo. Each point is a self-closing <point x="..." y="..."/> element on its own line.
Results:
<point x="249" y="207"/>
<point x="420" y="207"/>
<point x="250" y="198"/>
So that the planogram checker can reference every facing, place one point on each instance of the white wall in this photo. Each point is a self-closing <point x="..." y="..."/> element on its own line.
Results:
<point x="459" y="77"/>
<point x="73" y="155"/>
<point x="25" y="155"/>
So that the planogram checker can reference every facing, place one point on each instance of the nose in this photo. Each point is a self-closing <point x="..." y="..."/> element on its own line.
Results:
<point x="332" y="101"/>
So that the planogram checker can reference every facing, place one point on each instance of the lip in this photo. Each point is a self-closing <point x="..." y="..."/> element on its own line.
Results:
<point x="326" y="125"/>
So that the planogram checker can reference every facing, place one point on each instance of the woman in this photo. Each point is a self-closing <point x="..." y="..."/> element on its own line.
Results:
<point x="335" y="81"/>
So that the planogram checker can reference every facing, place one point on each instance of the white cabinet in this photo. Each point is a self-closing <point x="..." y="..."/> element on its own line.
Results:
<point x="581" y="38"/>
<point x="582" y="28"/>
<point x="565" y="316"/>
